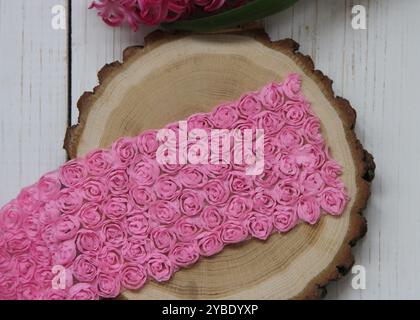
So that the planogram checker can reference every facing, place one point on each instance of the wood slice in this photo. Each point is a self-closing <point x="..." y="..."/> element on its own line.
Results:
<point x="174" y="76"/>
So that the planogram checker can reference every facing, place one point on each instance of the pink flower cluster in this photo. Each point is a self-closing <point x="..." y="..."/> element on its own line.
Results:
<point x="155" y="12"/>
<point x="117" y="218"/>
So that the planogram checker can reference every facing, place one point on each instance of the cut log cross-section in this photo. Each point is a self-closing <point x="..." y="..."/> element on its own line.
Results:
<point x="175" y="76"/>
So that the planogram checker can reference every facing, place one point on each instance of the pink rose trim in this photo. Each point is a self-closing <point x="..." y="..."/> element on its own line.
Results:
<point x="133" y="276"/>
<point x="159" y="267"/>
<point x="117" y="218"/>
<point x="82" y="291"/>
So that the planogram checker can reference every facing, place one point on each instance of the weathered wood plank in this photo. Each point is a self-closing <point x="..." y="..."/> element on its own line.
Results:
<point x="33" y="91"/>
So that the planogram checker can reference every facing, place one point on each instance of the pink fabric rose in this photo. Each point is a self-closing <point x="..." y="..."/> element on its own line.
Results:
<point x="217" y="171"/>
<point x="110" y="260"/>
<point x="260" y="226"/>
<point x="125" y="150"/>
<point x="249" y="105"/>
<point x="117" y="207"/>
<point x="268" y="178"/>
<point x="17" y="243"/>
<point x="73" y="173"/>
<point x="285" y="218"/>
<point x="308" y="210"/>
<point x="216" y="192"/>
<point x="309" y="156"/>
<point x="69" y="201"/>
<point x="28" y="199"/>
<point x="200" y="121"/>
<point x="44" y="276"/>
<point x="192" y="177"/>
<point x="233" y="232"/>
<point x="49" y="187"/>
<point x="83" y="291"/>
<point x="99" y="162"/>
<point x="144" y="172"/>
<point x="184" y="255"/>
<point x="264" y="201"/>
<point x="240" y="183"/>
<point x="138" y="224"/>
<point x="273" y="97"/>
<point x="148" y="143"/>
<point x="225" y="116"/>
<point x="8" y="287"/>
<point x="108" y="285"/>
<point x="11" y="216"/>
<point x="212" y="218"/>
<point x="113" y="234"/>
<point x="133" y="276"/>
<point x="289" y="138"/>
<point x="41" y="253"/>
<point x="137" y="250"/>
<point x="163" y="239"/>
<point x="294" y="113"/>
<point x="28" y="291"/>
<point x="85" y="268"/>
<point x="170" y="168"/>
<point x="55" y="295"/>
<point x="167" y="188"/>
<point x="94" y="190"/>
<point x="164" y="212"/>
<point x="49" y="213"/>
<point x="159" y="267"/>
<point x="32" y="227"/>
<point x="186" y="229"/>
<point x="88" y="242"/>
<point x="117" y="181"/>
<point x="271" y="149"/>
<point x="269" y="121"/>
<point x="292" y="87"/>
<point x="312" y="130"/>
<point x="331" y="172"/>
<point x="333" y="201"/>
<point x="91" y="216"/>
<point x="65" y="253"/>
<point x="191" y="203"/>
<point x="26" y="266"/>
<point x="312" y="183"/>
<point x="7" y="262"/>
<point x="66" y="227"/>
<point x="238" y="208"/>
<point x="287" y="192"/>
<point x="287" y="168"/>
<point x="142" y="197"/>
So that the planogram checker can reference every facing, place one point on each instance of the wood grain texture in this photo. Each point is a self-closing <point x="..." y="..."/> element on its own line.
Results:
<point x="33" y="93"/>
<point x="196" y="73"/>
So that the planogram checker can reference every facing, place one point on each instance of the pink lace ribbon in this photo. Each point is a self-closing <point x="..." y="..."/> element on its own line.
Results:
<point x="116" y="218"/>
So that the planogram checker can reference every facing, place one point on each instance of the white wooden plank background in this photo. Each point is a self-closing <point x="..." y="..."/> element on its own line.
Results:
<point x="33" y="93"/>
<point x="376" y="69"/>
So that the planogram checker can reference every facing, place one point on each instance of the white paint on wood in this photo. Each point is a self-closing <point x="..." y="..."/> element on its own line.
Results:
<point x="33" y="93"/>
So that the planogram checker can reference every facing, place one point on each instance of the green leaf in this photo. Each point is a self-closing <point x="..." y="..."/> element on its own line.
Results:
<point x="255" y="10"/>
